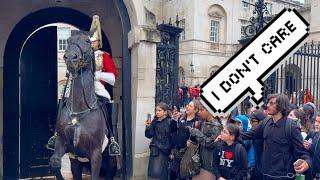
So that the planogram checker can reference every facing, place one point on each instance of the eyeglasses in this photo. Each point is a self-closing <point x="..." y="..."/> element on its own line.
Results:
<point x="254" y="120"/>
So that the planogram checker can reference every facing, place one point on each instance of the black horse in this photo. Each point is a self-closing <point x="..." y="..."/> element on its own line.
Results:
<point x="80" y="125"/>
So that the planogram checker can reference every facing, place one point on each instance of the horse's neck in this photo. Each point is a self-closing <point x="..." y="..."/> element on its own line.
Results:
<point x="82" y="90"/>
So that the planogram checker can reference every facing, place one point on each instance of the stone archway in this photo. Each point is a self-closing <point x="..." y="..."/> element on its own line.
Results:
<point x="19" y="34"/>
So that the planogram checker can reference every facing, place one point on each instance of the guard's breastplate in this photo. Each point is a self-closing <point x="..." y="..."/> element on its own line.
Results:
<point x="99" y="60"/>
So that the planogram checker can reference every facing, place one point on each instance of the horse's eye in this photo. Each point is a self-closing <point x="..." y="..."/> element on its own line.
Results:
<point x="88" y="40"/>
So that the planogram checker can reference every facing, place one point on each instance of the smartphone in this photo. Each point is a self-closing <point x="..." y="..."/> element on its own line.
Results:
<point x="149" y="117"/>
<point x="297" y="163"/>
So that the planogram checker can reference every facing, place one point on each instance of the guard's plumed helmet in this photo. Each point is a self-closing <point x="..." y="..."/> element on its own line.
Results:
<point x="95" y="30"/>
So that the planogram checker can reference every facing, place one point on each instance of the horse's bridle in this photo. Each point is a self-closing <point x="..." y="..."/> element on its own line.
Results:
<point x="82" y="62"/>
<point x="82" y="65"/>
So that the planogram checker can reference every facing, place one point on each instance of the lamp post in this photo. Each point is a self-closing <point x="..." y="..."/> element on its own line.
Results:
<point x="257" y="23"/>
<point x="192" y="72"/>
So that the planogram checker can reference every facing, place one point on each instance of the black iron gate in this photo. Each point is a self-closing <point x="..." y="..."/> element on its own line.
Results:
<point x="167" y="67"/>
<point x="299" y="77"/>
<point x="38" y="101"/>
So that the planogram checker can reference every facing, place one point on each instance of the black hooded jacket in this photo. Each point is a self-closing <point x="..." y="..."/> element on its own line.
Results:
<point x="161" y="133"/>
<point x="227" y="163"/>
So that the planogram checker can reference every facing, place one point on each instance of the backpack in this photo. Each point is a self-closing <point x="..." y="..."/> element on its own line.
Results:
<point x="238" y="150"/>
<point x="190" y="162"/>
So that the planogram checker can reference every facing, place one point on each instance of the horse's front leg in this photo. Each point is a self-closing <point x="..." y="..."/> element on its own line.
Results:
<point x="55" y="160"/>
<point x="95" y="160"/>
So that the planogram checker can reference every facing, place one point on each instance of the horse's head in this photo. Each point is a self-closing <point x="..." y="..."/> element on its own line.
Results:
<point x="79" y="54"/>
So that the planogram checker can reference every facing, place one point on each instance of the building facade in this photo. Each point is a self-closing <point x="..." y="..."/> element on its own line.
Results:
<point x="212" y="30"/>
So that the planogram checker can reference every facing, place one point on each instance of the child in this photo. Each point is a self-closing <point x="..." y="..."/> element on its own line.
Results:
<point x="160" y="129"/>
<point x="230" y="156"/>
<point x="188" y="119"/>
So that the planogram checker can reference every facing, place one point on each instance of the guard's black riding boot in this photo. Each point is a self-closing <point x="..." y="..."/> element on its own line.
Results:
<point x="114" y="148"/>
<point x="104" y="104"/>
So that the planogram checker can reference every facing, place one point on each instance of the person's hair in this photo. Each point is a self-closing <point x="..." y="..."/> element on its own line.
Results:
<point x="196" y="105"/>
<point x="282" y="103"/>
<point x="308" y="109"/>
<point x="233" y="130"/>
<point x="305" y="122"/>
<point x="318" y="114"/>
<point x="202" y="106"/>
<point x="164" y="107"/>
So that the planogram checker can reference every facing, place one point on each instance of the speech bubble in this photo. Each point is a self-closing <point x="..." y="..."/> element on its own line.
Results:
<point x="244" y="73"/>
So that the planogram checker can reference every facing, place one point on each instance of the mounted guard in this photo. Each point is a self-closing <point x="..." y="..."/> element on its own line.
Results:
<point x="82" y="123"/>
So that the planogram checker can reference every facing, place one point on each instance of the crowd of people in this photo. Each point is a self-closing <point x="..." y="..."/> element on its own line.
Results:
<point x="278" y="141"/>
<point x="187" y="94"/>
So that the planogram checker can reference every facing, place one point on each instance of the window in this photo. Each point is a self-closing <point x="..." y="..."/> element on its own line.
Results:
<point x="214" y="31"/>
<point x="269" y="8"/>
<point x="183" y="33"/>
<point x="243" y="32"/>
<point x="245" y="3"/>
<point x="63" y="35"/>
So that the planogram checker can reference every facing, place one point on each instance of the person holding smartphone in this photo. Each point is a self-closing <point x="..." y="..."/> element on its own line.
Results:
<point x="160" y="131"/>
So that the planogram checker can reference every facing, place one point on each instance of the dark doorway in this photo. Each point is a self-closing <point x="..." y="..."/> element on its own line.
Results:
<point x="38" y="96"/>
<point x="290" y="83"/>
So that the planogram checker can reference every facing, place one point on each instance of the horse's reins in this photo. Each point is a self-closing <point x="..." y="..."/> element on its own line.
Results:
<point x="82" y="65"/>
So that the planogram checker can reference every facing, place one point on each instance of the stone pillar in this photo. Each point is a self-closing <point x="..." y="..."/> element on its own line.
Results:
<point x="315" y="20"/>
<point x="142" y="42"/>
<point x="1" y="121"/>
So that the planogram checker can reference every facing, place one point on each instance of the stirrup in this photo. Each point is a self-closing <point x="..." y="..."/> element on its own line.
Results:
<point x="114" y="148"/>
<point x="51" y="143"/>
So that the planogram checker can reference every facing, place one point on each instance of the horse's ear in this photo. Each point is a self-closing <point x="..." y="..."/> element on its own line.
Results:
<point x="74" y="32"/>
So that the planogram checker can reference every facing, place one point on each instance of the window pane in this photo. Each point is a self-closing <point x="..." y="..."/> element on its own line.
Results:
<point x="245" y="3"/>
<point x="214" y="31"/>
<point x="183" y="33"/>
<point x="64" y="33"/>
<point x="243" y="30"/>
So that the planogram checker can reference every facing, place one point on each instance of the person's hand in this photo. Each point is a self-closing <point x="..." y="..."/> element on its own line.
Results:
<point x="147" y="122"/>
<point x="218" y="138"/>
<point x="189" y="128"/>
<point x="302" y="167"/>
<point x="221" y="178"/>
<point x="189" y="142"/>
<point x="171" y="156"/>
<point x="175" y="115"/>
<point x="306" y="144"/>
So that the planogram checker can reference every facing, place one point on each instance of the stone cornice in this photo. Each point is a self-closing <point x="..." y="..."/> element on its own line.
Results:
<point x="143" y="33"/>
